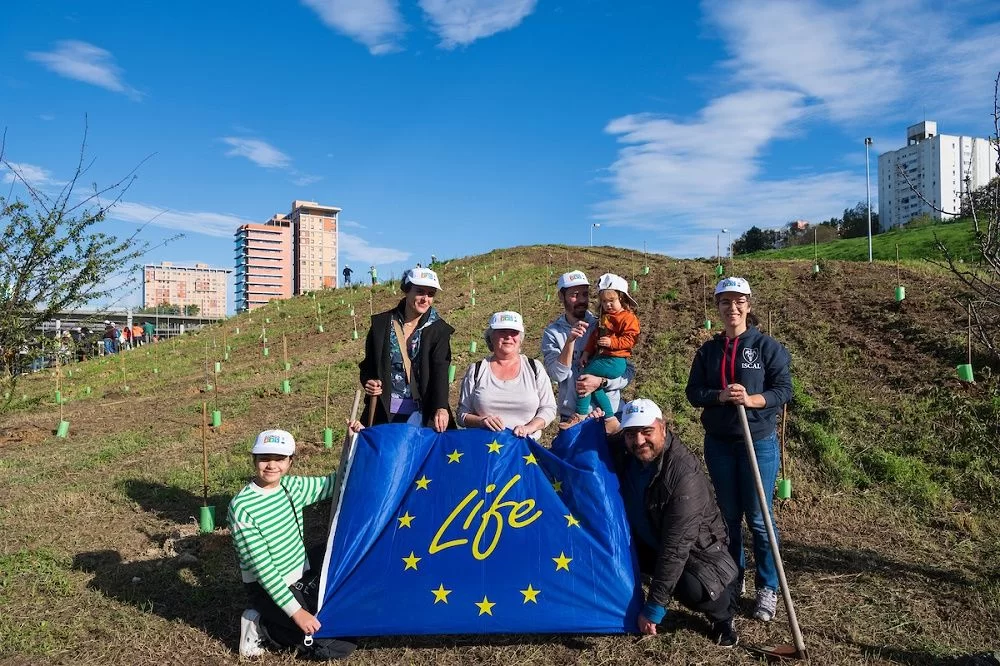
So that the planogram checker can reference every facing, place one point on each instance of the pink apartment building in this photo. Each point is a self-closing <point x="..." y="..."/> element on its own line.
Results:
<point x="198" y="285"/>
<point x="289" y="254"/>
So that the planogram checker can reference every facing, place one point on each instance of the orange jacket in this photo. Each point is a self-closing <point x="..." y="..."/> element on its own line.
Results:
<point x="623" y="329"/>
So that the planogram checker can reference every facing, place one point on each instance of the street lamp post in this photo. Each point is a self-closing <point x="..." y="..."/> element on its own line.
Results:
<point x="729" y="243"/>
<point x="595" y="225"/>
<point x="868" y="188"/>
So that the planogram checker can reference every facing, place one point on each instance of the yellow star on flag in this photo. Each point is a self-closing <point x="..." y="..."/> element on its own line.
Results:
<point x="423" y="482"/>
<point x="495" y="447"/>
<point x="571" y="521"/>
<point x="441" y="594"/>
<point x="530" y="594"/>
<point x="455" y="457"/>
<point x="485" y="606"/>
<point x="405" y="520"/>
<point x="557" y="485"/>
<point x="562" y="562"/>
<point x="530" y="459"/>
<point x="411" y="561"/>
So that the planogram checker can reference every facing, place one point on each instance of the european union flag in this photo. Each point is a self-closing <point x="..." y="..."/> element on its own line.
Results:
<point x="478" y="532"/>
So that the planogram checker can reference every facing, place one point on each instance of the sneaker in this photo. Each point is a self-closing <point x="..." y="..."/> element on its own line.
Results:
<point x="767" y="603"/>
<point x="724" y="633"/>
<point x="250" y="634"/>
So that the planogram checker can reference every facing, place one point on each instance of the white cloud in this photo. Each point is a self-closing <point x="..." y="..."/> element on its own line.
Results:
<point x="85" y="62"/>
<point x="36" y="176"/>
<point x="304" y="179"/>
<point x="859" y="60"/>
<point x="668" y="166"/>
<point x="793" y="65"/>
<point x="210" y="224"/>
<point x="461" y="22"/>
<point x="358" y="249"/>
<point x="377" y="24"/>
<point x="259" y="152"/>
<point x="351" y="224"/>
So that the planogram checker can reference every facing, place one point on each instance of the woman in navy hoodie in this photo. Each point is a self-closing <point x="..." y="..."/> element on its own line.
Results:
<point x="742" y="366"/>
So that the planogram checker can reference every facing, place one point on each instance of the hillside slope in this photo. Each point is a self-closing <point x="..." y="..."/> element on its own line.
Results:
<point x="890" y="538"/>
<point x="914" y="245"/>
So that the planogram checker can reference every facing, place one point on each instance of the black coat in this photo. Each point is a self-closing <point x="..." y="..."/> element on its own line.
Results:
<point x="430" y="368"/>
<point x="682" y="509"/>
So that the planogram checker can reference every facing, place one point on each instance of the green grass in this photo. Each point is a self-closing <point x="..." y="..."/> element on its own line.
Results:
<point x="914" y="244"/>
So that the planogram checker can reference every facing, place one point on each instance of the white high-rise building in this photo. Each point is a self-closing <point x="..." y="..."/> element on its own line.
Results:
<point x="942" y="168"/>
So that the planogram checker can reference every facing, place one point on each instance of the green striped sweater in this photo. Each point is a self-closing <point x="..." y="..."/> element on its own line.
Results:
<point x="266" y="534"/>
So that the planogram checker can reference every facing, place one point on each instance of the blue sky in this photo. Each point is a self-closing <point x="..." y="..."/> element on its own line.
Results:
<point x="454" y="127"/>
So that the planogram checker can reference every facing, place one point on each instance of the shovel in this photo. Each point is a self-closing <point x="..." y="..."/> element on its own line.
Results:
<point x="798" y="650"/>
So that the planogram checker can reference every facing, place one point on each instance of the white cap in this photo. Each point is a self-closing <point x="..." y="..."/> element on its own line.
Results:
<point x="424" y="277"/>
<point x="640" y="413"/>
<point x="573" y="279"/>
<point x="618" y="283"/>
<point x="107" y="321"/>
<point x="734" y="284"/>
<point x="274" y="442"/>
<point x="506" y="320"/>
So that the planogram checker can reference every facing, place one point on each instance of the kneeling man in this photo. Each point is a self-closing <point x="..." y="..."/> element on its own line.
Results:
<point x="677" y="527"/>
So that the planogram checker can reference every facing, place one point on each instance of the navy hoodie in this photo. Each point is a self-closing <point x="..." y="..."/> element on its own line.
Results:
<point x="758" y="362"/>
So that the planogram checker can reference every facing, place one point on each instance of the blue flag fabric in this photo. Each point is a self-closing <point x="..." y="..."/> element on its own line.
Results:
<point x="474" y="532"/>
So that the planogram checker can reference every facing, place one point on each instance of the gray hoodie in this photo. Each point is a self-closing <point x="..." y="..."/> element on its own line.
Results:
<point x="553" y="340"/>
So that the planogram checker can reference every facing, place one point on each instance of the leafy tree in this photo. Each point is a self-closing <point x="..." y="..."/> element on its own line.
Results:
<point x="854" y="223"/>
<point x="52" y="258"/>
<point x="756" y="239"/>
<point x="192" y="310"/>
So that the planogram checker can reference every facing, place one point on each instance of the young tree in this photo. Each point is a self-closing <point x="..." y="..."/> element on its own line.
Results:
<point x="982" y="278"/>
<point x="53" y="258"/>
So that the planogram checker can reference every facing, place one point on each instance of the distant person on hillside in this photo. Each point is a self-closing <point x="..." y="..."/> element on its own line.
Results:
<point x="148" y="330"/>
<point x="347" y="276"/>
<point x="506" y="390"/>
<point x="562" y="346"/>
<point x="137" y="334"/>
<point x="742" y="366"/>
<point x="374" y="275"/>
<point x="281" y="578"/>
<point x="606" y="352"/>
<point x="407" y="354"/>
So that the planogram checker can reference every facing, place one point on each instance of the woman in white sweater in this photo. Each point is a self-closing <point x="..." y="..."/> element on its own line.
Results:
<point x="507" y="389"/>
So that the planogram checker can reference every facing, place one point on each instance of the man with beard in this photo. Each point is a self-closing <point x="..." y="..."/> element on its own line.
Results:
<point x="563" y="342"/>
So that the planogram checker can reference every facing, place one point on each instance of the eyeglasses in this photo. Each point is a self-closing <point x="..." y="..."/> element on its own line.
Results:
<point x="739" y="302"/>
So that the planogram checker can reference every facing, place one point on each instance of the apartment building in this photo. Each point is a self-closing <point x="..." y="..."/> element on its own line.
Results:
<point x="263" y="263"/>
<point x="287" y="255"/>
<point x="933" y="171"/>
<point x="199" y="285"/>
<point x="314" y="229"/>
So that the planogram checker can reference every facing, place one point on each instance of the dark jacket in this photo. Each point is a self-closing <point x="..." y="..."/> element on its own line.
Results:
<point x="682" y="510"/>
<point x="430" y="368"/>
<point x="761" y="365"/>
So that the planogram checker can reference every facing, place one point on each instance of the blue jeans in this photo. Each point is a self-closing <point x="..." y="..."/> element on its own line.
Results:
<point x="736" y="493"/>
<point x="608" y="367"/>
<point x="109" y="346"/>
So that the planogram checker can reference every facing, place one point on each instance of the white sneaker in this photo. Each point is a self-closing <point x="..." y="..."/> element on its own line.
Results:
<point x="767" y="604"/>
<point x="251" y="634"/>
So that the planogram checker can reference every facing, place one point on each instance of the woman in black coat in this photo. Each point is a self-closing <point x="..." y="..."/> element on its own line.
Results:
<point x="407" y="354"/>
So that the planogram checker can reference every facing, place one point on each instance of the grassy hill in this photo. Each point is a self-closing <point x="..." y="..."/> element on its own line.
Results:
<point x="891" y="538"/>
<point x="914" y="244"/>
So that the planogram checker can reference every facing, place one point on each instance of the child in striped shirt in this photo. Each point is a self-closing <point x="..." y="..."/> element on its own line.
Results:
<point x="265" y="518"/>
